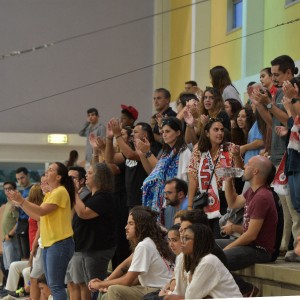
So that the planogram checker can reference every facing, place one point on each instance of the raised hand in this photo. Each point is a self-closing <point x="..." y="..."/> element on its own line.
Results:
<point x="290" y="91"/>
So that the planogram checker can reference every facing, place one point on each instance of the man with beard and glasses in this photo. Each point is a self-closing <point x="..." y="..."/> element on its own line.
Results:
<point x="176" y="199"/>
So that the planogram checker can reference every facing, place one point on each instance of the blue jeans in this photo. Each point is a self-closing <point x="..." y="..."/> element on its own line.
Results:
<point x="56" y="259"/>
<point x="241" y="257"/>
<point x="294" y="180"/>
<point x="10" y="252"/>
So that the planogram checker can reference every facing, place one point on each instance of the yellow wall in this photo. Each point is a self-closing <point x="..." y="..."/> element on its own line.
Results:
<point x="180" y="44"/>
<point x="284" y="39"/>
<point x="227" y="55"/>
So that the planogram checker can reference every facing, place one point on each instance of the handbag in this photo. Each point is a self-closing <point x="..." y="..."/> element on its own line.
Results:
<point x="202" y="199"/>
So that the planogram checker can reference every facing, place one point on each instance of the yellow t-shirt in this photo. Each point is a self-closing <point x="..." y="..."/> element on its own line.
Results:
<point x="57" y="225"/>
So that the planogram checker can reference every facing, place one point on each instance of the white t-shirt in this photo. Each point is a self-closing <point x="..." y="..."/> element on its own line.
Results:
<point x="155" y="271"/>
<point x="183" y="165"/>
<point x="211" y="278"/>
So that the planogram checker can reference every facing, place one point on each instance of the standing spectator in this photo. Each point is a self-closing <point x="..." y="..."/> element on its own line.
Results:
<point x="189" y="85"/>
<point x="92" y="126"/>
<point x="212" y="106"/>
<point x="162" y="98"/>
<point x="172" y="163"/>
<point x="274" y="114"/>
<point x="23" y="179"/>
<point x="209" y="154"/>
<point x="78" y="175"/>
<point x="9" y="223"/>
<point x="221" y="81"/>
<point x="55" y="225"/>
<point x="129" y="115"/>
<point x="94" y="232"/>
<point x="73" y="158"/>
<point x="267" y="82"/>
<point x="232" y="106"/>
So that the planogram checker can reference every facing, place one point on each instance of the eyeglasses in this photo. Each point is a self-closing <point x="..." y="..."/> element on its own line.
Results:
<point x="169" y="193"/>
<point x="185" y="239"/>
<point x="74" y="177"/>
<point x="8" y="189"/>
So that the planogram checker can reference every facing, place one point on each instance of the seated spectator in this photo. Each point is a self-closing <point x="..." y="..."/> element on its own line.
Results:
<point x="44" y="288"/>
<point x="176" y="199"/>
<point x="199" y="273"/>
<point x="151" y="264"/>
<point x="257" y="242"/>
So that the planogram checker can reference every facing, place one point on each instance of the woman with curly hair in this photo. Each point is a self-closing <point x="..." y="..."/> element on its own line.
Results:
<point x="200" y="274"/>
<point x="151" y="263"/>
<point x="212" y="106"/>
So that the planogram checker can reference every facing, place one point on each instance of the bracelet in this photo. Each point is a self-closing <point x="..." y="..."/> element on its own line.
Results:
<point x="21" y="205"/>
<point x="118" y="136"/>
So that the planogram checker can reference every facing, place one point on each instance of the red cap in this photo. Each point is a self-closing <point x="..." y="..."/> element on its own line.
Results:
<point x="132" y="111"/>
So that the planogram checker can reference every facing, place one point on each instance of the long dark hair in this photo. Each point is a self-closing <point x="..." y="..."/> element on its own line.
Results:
<point x="220" y="78"/>
<point x="66" y="181"/>
<point x="180" y="144"/>
<point x="203" y="245"/>
<point x="73" y="156"/>
<point x="237" y="134"/>
<point x="146" y="226"/>
<point x="235" y="106"/>
<point x="204" y="143"/>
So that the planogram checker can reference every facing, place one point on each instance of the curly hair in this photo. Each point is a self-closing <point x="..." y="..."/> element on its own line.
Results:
<point x="146" y="226"/>
<point x="36" y="195"/>
<point x="237" y="134"/>
<point x="104" y="178"/>
<point x="217" y="106"/>
<point x="203" y="245"/>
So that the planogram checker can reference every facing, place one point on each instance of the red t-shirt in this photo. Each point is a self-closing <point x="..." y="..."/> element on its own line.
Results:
<point x="261" y="205"/>
<point x="33" y="227"/>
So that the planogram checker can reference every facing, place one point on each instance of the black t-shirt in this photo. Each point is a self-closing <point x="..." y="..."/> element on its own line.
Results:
<point x="170" y="113"/>
<point x="98" y="233"/>
<point x="135" y="175"/>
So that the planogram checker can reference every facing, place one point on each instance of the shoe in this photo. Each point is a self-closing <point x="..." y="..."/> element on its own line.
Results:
<point x="253" y="293"/>
<point x="291" y="256"/>
<point x="18" y="293"/>
<point x="3" y="293"/>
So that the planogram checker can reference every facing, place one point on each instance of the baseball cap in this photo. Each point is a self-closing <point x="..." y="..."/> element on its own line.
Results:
<point x="131" y="110"/>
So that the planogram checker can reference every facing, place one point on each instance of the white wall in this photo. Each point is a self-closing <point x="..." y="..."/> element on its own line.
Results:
<point x="71" y="64"/>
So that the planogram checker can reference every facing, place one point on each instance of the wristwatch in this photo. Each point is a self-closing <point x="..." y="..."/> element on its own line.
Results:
<point x="148" y="154"/>
<point x="269" y="105"/>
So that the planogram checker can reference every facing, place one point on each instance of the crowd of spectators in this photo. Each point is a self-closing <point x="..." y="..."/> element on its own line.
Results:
<point x="133" y="204"/>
